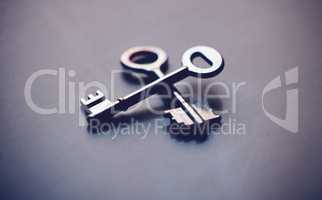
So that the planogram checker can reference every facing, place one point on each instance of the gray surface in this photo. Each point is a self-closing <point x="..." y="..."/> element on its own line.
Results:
<point x="50" y="157"/>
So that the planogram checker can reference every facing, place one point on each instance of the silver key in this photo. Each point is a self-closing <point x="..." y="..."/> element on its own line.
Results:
<point x="97" y="105"/>
<point x="185" y="114"/>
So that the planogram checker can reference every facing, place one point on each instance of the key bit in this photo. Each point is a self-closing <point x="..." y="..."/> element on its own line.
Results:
<point x="92" y="100"/>
<point x="206" y="114"/>
<point x="179" y="116"/>
<point x="96" y="103"/>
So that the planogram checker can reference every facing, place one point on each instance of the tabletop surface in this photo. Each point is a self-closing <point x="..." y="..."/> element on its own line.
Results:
<point x="55" y="156"/>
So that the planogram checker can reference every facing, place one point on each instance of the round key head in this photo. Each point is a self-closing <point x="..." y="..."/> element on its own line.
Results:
<point x="208" y="54"/>
<point x="144" y="58"/>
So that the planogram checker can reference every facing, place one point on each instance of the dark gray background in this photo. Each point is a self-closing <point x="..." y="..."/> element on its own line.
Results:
<point x="50" y="157"/>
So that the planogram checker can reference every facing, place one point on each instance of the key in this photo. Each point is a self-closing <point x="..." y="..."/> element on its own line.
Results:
<point x="155" y="58"/>
<point x="97" y="105"/>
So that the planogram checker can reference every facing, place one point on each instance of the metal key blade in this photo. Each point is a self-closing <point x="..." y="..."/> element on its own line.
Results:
<point x="179" y="116"/>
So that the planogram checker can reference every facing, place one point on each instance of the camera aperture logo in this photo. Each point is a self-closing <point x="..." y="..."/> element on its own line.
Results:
<point x="291" y="121"/>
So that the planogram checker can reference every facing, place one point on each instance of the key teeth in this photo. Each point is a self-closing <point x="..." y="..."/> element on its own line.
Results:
<point x="178" y="116"/>
<point x="92" y="100"/>
<point x="185" y="126"/>
<point x="207" y="114"/>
